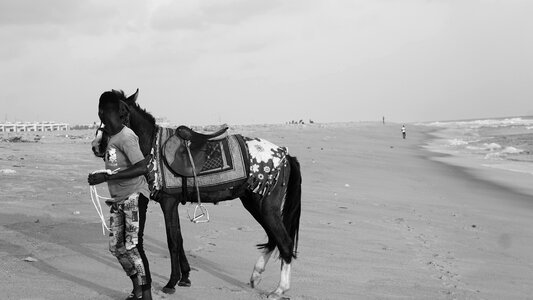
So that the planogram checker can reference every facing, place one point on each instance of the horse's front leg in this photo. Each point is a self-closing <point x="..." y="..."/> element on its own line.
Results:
<point x="179" y="265"/>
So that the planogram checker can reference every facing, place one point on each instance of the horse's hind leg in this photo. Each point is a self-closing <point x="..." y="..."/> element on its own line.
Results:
<point x="259" y="267"/>
<point x="252" y="205"/>
<point x="284" y="243"/>
<point x="284" y="282"/>
<point x="268" y="214"/>
<point x="271" y="213"/>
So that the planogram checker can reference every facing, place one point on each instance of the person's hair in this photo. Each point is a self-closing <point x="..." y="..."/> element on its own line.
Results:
<point x="111" y="100"/>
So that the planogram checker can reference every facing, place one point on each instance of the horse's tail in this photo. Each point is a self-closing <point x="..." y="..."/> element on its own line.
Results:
<point x="293" y="204"/>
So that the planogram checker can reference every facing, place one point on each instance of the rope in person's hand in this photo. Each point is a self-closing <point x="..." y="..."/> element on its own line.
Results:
<point x="95" y="198"/>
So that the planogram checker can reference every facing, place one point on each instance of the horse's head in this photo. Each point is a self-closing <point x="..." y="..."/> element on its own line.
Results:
<point x="131" y="115"/>
<point x="99" y="143"/>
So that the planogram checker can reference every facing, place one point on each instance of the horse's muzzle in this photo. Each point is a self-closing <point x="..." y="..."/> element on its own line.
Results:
<point x="96" y="152"/>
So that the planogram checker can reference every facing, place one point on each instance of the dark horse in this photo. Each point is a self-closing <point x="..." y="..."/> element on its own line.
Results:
<point x="277" y="211"/>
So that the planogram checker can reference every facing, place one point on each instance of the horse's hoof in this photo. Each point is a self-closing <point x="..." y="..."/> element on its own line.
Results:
<point x="255" y="282"/>
<point x="169" y="290"/>
<point x="277" y="296"/>
<point x="255" y="279"/>
<point x="185" y="282"/>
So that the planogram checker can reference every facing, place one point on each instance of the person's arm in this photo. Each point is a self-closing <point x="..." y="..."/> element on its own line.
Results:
<point x="138" y="169"/>
<point x="133" y="152"/>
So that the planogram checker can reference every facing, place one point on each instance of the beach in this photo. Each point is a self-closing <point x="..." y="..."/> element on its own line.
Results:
<point x="382" y="218"/>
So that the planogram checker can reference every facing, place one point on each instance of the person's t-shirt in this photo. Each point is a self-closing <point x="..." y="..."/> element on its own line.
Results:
<point x="123" y="151"/>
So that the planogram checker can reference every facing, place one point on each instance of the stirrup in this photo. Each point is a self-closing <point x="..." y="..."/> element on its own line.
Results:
<point x="201" y="215"/>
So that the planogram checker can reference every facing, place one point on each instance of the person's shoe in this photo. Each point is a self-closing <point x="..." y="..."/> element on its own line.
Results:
<point x="132" y="296"/>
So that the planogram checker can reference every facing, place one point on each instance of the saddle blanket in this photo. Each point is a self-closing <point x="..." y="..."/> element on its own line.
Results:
<point x="227" y="168"/>
<point x="266" y="161"/>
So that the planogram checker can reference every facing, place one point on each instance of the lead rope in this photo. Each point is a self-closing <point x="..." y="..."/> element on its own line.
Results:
<point x="201" y="216"/>
<point x="95" y="198"/>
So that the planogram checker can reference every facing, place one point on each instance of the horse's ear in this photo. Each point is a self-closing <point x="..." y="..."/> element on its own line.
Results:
<point x="131" y="99"/>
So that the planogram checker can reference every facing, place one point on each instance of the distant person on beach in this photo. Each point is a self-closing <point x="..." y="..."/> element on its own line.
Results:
<point x="403" y="131"/>
<point x="129" y="191"/>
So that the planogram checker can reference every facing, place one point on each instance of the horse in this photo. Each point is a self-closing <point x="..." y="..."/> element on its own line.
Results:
<point x="277" y="207"/>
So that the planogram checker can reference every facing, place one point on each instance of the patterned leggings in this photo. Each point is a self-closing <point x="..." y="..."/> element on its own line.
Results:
<point x="126" y="236"/>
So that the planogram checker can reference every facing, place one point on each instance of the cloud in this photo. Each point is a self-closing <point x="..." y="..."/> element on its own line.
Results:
<point x="27" y="27"/>
<point x="52" y="12"/>
<point x="364" y="52"/>
<point x="200" y="15"/>
<point x="27" y="12"/>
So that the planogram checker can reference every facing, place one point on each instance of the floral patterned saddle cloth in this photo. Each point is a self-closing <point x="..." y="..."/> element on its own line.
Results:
<point x="266" y="161"/>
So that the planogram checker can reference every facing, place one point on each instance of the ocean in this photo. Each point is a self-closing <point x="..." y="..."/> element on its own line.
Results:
<point x="500" y="143"/>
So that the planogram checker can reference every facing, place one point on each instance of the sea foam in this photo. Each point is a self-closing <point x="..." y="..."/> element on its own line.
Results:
<point x="500" y="140"/>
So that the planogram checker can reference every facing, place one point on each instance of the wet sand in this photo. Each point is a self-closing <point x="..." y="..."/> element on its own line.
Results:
<point x="382" y="218"/>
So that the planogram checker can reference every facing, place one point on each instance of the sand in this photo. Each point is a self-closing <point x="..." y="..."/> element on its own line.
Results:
<point x="382" y="218"/>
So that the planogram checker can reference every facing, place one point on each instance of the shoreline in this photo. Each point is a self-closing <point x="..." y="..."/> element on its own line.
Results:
<point x="511" y="181"/>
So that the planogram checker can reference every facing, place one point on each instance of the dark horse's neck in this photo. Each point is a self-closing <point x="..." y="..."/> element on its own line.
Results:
<point x="143" y="124"/>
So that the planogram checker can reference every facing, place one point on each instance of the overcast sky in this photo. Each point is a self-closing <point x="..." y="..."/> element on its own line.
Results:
<point x="268" y="61"/>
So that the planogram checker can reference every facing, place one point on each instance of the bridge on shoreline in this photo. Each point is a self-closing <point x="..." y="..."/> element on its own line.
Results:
<point x="35" y="126"/>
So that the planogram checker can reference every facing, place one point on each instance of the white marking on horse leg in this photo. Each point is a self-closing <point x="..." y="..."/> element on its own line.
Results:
<point x="284" y="282"/>
<point x="260" y="267"/>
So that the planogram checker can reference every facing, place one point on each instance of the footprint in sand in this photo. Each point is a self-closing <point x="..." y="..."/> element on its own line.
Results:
<point x="402" y="222"/>
<point x="243" y="228"/>
<point x="198" y="249"/>
<point x="233" y="290"/>
<point x="472" y="227"/>
<point x="444" y="266"/>
<point x="505" y="241"/>
<point x="211" y="235"/>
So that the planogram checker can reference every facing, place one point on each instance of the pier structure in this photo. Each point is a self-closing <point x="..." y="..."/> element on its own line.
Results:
<point x="32" y="126"/>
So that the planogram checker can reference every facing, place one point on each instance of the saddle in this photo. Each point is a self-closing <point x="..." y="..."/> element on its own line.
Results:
<point x="187" y="144"/>
<point x="195" y="137"/>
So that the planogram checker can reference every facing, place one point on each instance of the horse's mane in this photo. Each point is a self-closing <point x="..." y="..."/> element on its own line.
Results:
<point x="146" y="115"/>
<point x="120" y="94"/>
<point x="145" y="126"/>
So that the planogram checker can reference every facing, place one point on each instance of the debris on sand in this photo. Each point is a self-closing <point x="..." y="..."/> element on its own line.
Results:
<point x="30" y="259"/>
<point x="7" y="171"/>
<point x="15" y="139"/>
